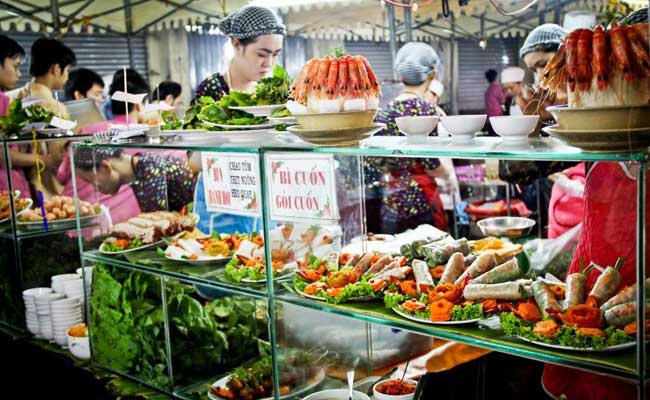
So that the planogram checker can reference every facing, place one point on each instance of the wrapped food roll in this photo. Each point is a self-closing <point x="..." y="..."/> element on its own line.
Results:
<point x="483" y="264"/>
<point x="423" y="277"/>
<point x="607" y="283"/>
<point x="544" y="297"/>
<point x="364" y="262"/>
<point x="454" y="268"/>
<point x="439" y="253"/>
<point x="379" y="265"/>
<point x="498" y="291"/>
<point x="576" y="289"/>
<point x="505" y="272"/>
<point x="625" y="296"/>
<point x="469" y="259"/>
<point x="623" y="314"/>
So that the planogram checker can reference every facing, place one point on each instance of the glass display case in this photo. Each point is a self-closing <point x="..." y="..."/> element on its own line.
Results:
<point x="33" y="251"/>
<point x="321" y="309"/>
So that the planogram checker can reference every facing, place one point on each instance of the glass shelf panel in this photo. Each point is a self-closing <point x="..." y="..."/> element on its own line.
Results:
<point x="620" y="364"/>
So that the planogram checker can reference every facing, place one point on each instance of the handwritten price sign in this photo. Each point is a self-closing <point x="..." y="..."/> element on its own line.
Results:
<point x="302" y="187"/>
<point x="232" y="183"/>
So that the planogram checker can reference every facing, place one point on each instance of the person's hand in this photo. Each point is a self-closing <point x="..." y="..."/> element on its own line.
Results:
<point x="569" y="186"/>
<point x="51" y="162"/>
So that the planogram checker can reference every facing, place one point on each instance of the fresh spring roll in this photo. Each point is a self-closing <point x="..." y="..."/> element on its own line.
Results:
<point x="440" y="253"/>
<point x="454" y="268"/>
<point x="576" y="289"/>
<point x="483" y="263"/>
<point x="500" y="291"/>
<point x="508" y="271"/>
<point x="606" y="284"/>
<point x="625" y="296"/>
<point x="469" y="259"/>
<point x="422" y="274"/>
<point x="379" y="265"/>
<point x="364" y="262"/>
<point x="544" y="297"/>
<point x="354" y="259"/>
<point x="623" y="314"/>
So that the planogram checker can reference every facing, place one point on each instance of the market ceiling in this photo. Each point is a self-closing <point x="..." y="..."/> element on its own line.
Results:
<point x="325" y="19"/>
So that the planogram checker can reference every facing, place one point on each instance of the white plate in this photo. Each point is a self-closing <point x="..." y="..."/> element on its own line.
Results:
<point x="68" y="223"/>
<point x="291" y="120"/>
<point x="428" y="321"/>
<point x="27" y="207"/>
<point x="129" y="250"/>
<point x="250" y="135"/>
<point x="192" y="135"/>
<point x="201" y="260"/>
<point x="312" y="383"/>
<point x="617" y="347"/>
<point x="259" y="111"/>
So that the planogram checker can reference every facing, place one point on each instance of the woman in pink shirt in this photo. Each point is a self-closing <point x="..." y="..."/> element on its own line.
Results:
<point x="494" y="96"/>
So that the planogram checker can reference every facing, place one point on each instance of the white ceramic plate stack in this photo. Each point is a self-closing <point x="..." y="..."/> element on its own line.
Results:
<point x="58" y="280"/>
<point x="44" y="313"/>
<point x="64" y="314"/>
<point x="88" y="279"/>
<point x="74" y="288"/>
<point x="31" y="316"/>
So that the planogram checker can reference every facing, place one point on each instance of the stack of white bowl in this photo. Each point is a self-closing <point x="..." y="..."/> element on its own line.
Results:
<point x="44" y="313"/>
<point x="58" y="280"/>
<point x="86" y="274"/>
<point x="31" y="315"/>
<point x="64" y="314"/>
<point x="74" y="288"/>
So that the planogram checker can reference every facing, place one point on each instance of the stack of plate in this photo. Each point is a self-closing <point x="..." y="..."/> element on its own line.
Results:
<point x="602" y="129"/>
<point x="64" y="314"/>
<point x="31" y="316"/>
<point x="44" y="313"/>
<point x="58" y="280"/>
<point x="86" y="274"/>
<point x="336" y="129"/>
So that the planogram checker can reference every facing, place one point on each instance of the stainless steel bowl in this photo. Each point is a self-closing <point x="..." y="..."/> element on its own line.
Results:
<point x="506" y="226"/>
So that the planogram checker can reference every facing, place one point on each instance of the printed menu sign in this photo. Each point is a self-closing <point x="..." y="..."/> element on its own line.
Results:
<point x="232" y="183"/>
<point x="301" y="187"/>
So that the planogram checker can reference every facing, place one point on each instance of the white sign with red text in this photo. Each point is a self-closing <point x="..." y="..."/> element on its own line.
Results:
<point x="302" y="187"/>
<point x="232" y="183"/>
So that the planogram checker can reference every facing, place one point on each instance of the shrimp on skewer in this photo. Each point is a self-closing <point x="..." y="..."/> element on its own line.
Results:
<point x="343" y="77"/>
<point x="332" y="77"/>
<point x="355" y="83"/>
<point x="639" y="53"/>
<point x="600" y="58"/>
<point x="584" y="51"/>
<point x="363" y="75"/>
<point x="572" y="58"/>
<point x="620" y="50"/>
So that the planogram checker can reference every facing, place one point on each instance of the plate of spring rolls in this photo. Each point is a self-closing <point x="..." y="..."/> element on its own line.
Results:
<point x="347" y="277"/>
<point x="570" y="318"/>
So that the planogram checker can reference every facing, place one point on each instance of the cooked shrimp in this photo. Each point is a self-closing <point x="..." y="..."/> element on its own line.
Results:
<point x="639" y="52"/>
<point x="343" y="77"/>
<point x="572" y="58"/>
<point x="600" y="57"/>
<point x="332" y="76"/>
<point x="363" y="76"/>
<point x="620" y="50"/>
<point x="374" y="82"/>
<point x="355" y="83"/>
<point x="643" y="30"/>
<point x="583" y="72"/>
<point x="321" y="77"/>
<point x="555" y="70"/>
<point x="299" y="82"/>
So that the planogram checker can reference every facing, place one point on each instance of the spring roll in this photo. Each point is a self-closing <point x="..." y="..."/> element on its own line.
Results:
<point x="364" y="262"/>
<point x="438" y="254"/>
<point x="469" y="259"/>
<point x="379" y="265"/>
<point x="454" y="268"/>
<point x="422" y="274"/>
<point x="508" y="271"/>
<point x="623" y="314"/>
<point x="354" y="259"/>
<point x="483" y="264"/>
<point x="606" y="284"/>
<point x="545" y="298"/>
<point x="499" y="291"/>
<point x="625" y="296"/>
<point x="576" y="289"/>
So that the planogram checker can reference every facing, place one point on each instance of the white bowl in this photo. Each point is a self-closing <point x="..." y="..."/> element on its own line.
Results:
<point x="68" y="302"/>
<point x="463" y="126"/>
<point x="64" y="277"/>
<point x="514" y="127"/>
<point x="64" y="319"/>
<point x="417" y="128"/>
<point x="79" y="346"/>
<point x="33" y="292"/>
<point x="87" y="270"/>
<point x="46" y="298"/>
<point x="381" y="396"/>
<point x="506" y="226"/>
<point x="336" y="394"/>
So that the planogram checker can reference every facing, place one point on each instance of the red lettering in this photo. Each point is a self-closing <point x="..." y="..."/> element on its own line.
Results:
<point x="283" y="202"/>
<point x="219" y="197"/>
<point x="300" y="178"/>
<point x="306" y="203"/>
<point x="217" y="174"/>
<point x="285" y="178"/>
<point x="317" y="178"/>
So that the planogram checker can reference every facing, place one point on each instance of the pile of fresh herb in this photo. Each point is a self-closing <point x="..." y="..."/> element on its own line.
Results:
<point x="18" y="117"/>
<point x="273" y="89"/>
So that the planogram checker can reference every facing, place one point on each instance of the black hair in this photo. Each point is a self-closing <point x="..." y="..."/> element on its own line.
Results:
<point x="9" y="48"/>
<point x="48" y="52"/>
<point x="165" y="89"/>
<point x="545" y="48"/>
<point x="87" y="158"/>
<point x="81" y="80"/>
<point x="491" y="75"/>
<point x="135" y="84"/>
<point x="247" y="41"/>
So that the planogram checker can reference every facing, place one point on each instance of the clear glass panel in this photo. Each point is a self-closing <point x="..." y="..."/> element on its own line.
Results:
<point x="127" y="324"/>
<point x="212" y="334"/>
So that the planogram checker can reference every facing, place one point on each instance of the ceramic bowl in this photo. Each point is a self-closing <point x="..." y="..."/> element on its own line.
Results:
<point x="336" y="394"/>
<point x="417" y="128"/>
<point x="381" y="396"/>
<point x="514" y="127"/>
<point x="463" y="126"/>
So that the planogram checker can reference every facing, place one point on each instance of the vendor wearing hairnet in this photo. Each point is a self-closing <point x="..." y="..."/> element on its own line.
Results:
<point x="407" y="189"/>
